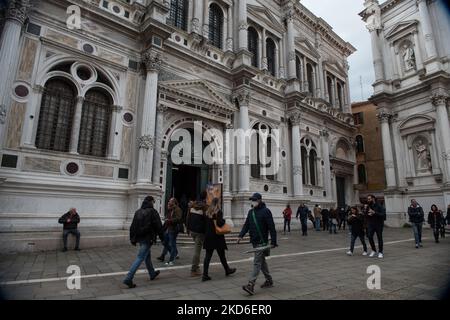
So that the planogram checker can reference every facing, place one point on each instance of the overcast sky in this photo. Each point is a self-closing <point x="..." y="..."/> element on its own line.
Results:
<point x="342" y="16"/>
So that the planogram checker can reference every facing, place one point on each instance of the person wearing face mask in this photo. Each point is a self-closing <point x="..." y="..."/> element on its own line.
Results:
<point x="417" y="218"/>
<point x="259" y="223"/>
<point x="145" y="227"/>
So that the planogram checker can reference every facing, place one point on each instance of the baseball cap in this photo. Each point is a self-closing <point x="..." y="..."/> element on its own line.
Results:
<point x="256" y="196"/>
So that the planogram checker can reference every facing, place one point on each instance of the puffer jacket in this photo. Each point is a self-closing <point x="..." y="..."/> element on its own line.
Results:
<point x="196" y="220"/>
<point x="416" y="214"/>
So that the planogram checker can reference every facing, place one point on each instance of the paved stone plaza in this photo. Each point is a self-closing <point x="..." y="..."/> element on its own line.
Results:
<point x="315" y="267"/>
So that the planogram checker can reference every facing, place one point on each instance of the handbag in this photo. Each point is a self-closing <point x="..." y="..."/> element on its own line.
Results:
<point x="225" y="229"/>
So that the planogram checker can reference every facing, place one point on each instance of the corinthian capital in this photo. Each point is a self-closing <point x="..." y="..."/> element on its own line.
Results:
<point x="290" y="16"/>
<point x="18" y="10"/>
<point x="439" y="99"/>
<point x="295" y="118"/>
<point x="152" y="60"/>
<point x="243" y="97"/>
<point x="384" y="116"/>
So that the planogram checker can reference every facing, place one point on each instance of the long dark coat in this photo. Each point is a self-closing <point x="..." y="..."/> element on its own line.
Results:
<point x="214" y="241"/>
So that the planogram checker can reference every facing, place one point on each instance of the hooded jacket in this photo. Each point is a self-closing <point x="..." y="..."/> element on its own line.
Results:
<point x="266" y="224"/>
<point x="146" y="225"/>
<point x="196" y="220"/>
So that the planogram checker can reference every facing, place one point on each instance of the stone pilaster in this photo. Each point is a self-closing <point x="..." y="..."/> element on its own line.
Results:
<point x="389" y="166"/>
<point x="295" y="119"/>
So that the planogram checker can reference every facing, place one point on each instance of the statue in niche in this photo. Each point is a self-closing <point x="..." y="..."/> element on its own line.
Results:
<point x="423" y="156"/>
<point x="409" y="57"/>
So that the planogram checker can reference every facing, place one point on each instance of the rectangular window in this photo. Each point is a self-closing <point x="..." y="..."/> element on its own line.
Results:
<point x="9" y="161"/>
<point x="358" y="118"/>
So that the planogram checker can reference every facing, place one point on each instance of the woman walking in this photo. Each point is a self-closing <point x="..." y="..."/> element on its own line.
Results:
<point x="356" y="220"/>
<point x="214" y="241"/>
<point x="435" y="220"/>
<point x="287" y="215"/>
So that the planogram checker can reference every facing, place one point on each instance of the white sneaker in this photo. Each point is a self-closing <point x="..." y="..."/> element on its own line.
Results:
<point x="380" y="255"/>
<point x="372" y="254"/>
<point x="349" y="253"/>
<point x="170" y="263"/>
<point x="364" y="253"/>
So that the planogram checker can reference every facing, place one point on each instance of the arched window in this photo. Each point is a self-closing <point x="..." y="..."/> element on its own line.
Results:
<point x="56" y="116"/>
<point x="312" y="167"/>
<point x="309" y="74"/>
<point x="261" y="152"/>
<point x="359" y="144"/>
<point x="179" y="13"/>
<point x="270" y="49"/>
<point x="339" y="92"/>
<point x="304" y="161"/>
<point x="215" y="25"/>
<point x="253" y="45"/>
<point x="362" y="178"/>
<point x="330" y="90"/>
<point x="95" y="123"/>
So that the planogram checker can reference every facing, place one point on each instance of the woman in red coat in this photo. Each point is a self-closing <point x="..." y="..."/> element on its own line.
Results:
<point x="287" y="215"/>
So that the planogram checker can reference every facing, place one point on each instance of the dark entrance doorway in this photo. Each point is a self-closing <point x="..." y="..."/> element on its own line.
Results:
<point x="188" y="181"/>
<point x="340" y="190"/>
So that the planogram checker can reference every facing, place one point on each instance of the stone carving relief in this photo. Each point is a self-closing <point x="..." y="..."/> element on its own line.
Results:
<point x="2" y="114"/>
<point x="146" y="142"/>
<point x="409" y="57"/>
<point x="422" y="153"/>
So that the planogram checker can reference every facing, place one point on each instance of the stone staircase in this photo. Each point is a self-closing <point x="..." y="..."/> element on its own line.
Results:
<point x="51" y="241"/>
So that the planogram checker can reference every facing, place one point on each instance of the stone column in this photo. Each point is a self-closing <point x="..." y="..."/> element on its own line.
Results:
<point x="264" y="51"/>
<point x="389" y="168"/>
<point x="417" y="52"/>
<point x="242" y="25"/>
<point x="75" y="134"/>
<point x="31" y="118"/>
<point x="296" y="155"/>
<point x="113" y="148"/>
<point x="427" y="30"/>
<point x="377" y="55"/>
<point x="161" y="110"/>
<point x="244" y="157"/>
<point x="205" y="19"/>
<point x="16" y="14"/>
<point x="197" y="20"/>
<point x="152" y="61"/>
<point x="230" y="46"/>
<point x="324" y="134"/>
<point x="440" y="102"/>
<point x="292" y="73"/>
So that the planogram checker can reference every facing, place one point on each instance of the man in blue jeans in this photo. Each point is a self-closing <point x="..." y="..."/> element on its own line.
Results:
<point x="145" y="227"/>
<point x="417" y="218"/>
<point x="171" y="226"/>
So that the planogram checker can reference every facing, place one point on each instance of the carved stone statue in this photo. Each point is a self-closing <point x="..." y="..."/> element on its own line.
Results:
<point x="423" y="156"/>
<point x="409" y="57"/>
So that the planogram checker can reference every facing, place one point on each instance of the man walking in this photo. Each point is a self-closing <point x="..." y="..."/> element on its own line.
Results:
<point x="171" y="226"/>
<point x="325" y="219"/>
<point x="302" y="212"/>
<point x="259" y="223"/>
<point x="70" y="221"/>
<point x="375" y="216"/>
<point x="145" y="227"/>
<point x="417" y="218"/>
<point x="196" y="226"/>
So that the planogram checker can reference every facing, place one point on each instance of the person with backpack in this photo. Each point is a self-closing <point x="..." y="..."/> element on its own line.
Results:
<point x="287" y="215"/>
<point x="375" y="216"/>
<point x="435" y="220"/>
<point x="259" y="223"/>
<point x="302" y="212"/>
<point x="145" y="227"/>
<point x="172" y="226"/>
<point x="196" y="226"/>
<point x="325" y="219"/>
<point x="417" y="218"/>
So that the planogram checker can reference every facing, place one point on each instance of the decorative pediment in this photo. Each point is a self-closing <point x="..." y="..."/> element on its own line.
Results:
<point x="401" y="29"/>
<point x="261" y="13"/>
<point x="196" y="97"/>
<point x="416" y="123"/>
<point x="307" y="46"/>
<point x="333" y="64"/>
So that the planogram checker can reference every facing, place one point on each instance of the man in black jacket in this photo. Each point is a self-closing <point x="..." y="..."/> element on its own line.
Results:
<point x="302" y="212"/>
<point x="417" y="218"/>
<point x="259" y="222"/>
<point x="145" y="227"/>
<point x="375" y="216"/>
<point x="70" y="221"/>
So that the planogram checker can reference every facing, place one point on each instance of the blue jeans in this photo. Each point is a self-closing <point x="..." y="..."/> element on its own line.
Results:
<point x="317" y="224"/>
<point x="170" y="242"/>
<point x="332" y="228"/>
<point x="144" y="254"/>
<point x="417" y="229"/>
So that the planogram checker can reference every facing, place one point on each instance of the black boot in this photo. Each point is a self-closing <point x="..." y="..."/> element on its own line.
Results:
<point x="230" y="271"/>
<point x="249" y="288"/>
<point x="206" y="278"/>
